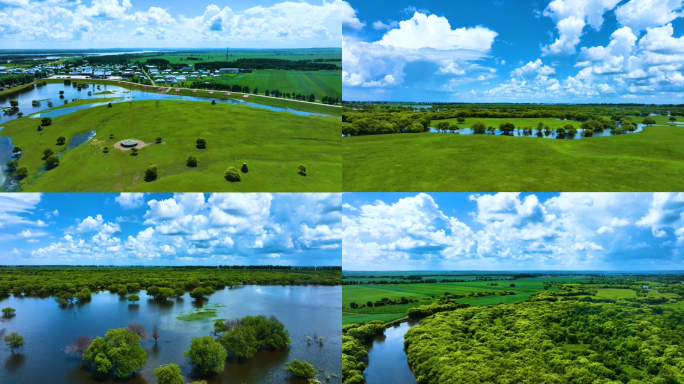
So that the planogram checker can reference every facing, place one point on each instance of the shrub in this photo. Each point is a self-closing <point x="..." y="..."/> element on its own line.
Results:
<point x="61" y="140"/>
<point x="52" y="161"/>
<point x="105" y="149"/>
<point x="7" y="312"/>
<point x="232" y="174"/>
<point x="302" y="169"/>
<point x="134" y="151"/>
<point x="22" y="172"/>
<point x="45" y="121"/>
<point x="151" y="172"/>
<point x="301" y="369"/>
<point x="12" y="164"/>
<point x="201" y="143"/>
<point x="169" y="374"/>
<point x="159" y="140"/>
<point x="47" y="153"/>
<point x="16" y="150"/>
<point x="207" y="355"/>
<point x="192" y="161"/>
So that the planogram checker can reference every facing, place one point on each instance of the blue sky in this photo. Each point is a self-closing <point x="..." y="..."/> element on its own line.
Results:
<point x="170" y="229"/>
<point x="69" y="24"/>
<point x="512" y="231"/>
<point x="514" y="51"/>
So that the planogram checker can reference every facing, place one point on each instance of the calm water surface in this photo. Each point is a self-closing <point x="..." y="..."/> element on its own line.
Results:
<point x="50" y="92"/>
<point x="49" y="328"/>
<point x="387" y="362"/>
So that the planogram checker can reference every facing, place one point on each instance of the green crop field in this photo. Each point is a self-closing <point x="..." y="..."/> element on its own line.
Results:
<point x="272" y="144"/>
<point x="320" y="83"/>
<point x="677" y="305"/>
<point x="667" y="295"/>
<point x="615" y="293"/>
<point x="652" y="160"/>
<point x="427" y="293"/>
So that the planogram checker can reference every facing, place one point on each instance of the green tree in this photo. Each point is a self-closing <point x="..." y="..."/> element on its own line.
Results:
<point x="201" y="143"/>
<point x="151" y="172"/>
<point x="648" y="121"/>
<point x="61" y="140"/>
<point x="460" y="120"/>
<point x="14" y="103"/>
<point x="302" y="169"/>
<point x="169" y="374"/>
<point x="232" y="174"/>
<point x="159" y="140"/>
<point x="16" y="149"/>
<point x="134" y="151"/>
<point x="52" y="162"/>
<point x="255" y="333"/>
<point x="673" y="119"/>
<point x="47" y="152"/>
<point x="46" y="121"/>
<point x="7" y="312"/>
<point x="105" y="149"/>
<point x="200" y="292"/>
<point x="14" y="341"/>
<point x="22" y="172"/>
<point x="118" y="350"/>
<point x="133" y="298"/>
<point x="301" y="369"/>
<point x="192" y="161"/>
<point x="207" y="355"/>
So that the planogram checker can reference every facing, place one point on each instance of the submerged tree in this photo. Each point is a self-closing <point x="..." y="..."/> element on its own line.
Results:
<point x="78" y="347"/>
<point x="118" y="351"/>
<point x="14" y="341"/>
<point x="206" y="355"/>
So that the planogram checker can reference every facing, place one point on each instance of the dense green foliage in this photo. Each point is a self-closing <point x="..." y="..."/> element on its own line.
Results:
<point x="14" y="341"/>
<point x="354" y="354"/>
<point x="169" y="374"/>
<point x="118" y="351"/>
<point x="252" y="333"/>
<point x="549" y="342"/>
<point x="427" y="310"/>
<point x="300" y="369"/>
<point x="67" y="283"/>
<point x="206" y="355"/>
<point x="8" y="311"/>
<point x="298" y="65"/>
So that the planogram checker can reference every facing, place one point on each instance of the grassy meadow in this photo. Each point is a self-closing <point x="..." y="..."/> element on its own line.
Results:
<point x="652" y="160"/>
<point x="272" y="144"/>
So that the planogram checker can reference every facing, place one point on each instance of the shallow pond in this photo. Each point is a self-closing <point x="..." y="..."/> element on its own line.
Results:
<point x="387" y="362"/>
<point x="50" y="93"/>
<point x="49" y="328"/>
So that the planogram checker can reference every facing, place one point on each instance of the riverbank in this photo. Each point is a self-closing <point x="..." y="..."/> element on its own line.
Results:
<point x="333" y="110"/>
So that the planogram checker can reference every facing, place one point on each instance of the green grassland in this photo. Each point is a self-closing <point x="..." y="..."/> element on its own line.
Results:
<point x="427" y="293"/>
<point x="218" y="95"/>
<point x="615" y="293"/>
<point x="667" y="295"/>
<point x="320" y="83"/>
<point x="273" y="144"/>
<point x="235" y="54"/>
<point x="652" y="160"/>
<point x="677" y="305"/>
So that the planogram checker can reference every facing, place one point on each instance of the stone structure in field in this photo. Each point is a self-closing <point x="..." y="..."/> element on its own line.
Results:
<point x="244" y="168"/>
<point x="129" y="143"/>
<point x="40" y="128"/>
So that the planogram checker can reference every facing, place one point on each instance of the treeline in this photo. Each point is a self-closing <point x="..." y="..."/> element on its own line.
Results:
<point x="542" y="342"/>
<point x="12" y="80"/>
<point x="299" y="65"/>
<point x="431" y="309"/>
<point x="560" y="111"/>
<point x="54" y="281"/>
<point x="273" y="93"/>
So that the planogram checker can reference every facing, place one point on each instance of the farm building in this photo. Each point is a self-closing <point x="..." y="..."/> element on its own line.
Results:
<point x="229" y="70"/>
